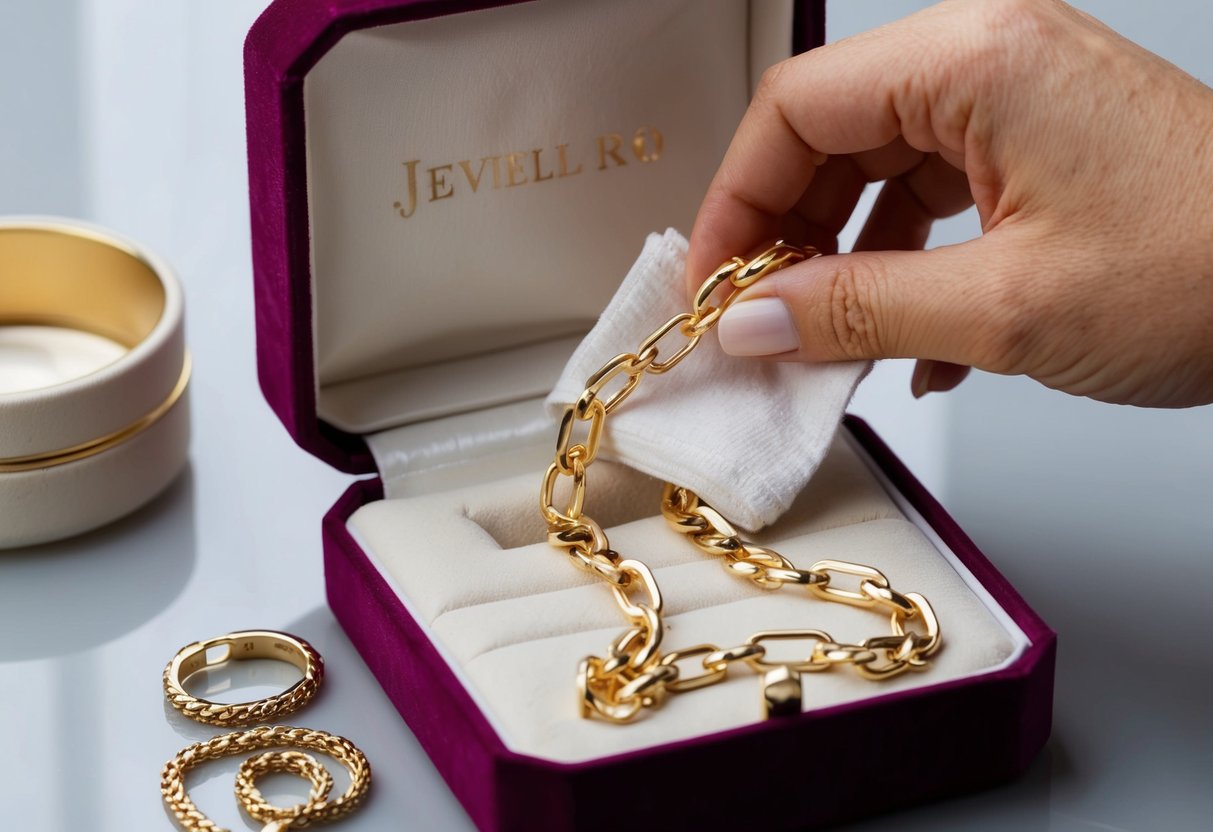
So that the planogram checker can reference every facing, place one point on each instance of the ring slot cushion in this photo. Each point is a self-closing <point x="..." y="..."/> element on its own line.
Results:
<point x="497" y="600"/>
<point x="412" y="313"/>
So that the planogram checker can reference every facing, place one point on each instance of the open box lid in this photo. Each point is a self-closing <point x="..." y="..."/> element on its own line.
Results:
<point x="445" y="193"/>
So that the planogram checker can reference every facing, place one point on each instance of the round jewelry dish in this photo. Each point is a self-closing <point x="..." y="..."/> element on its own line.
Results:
<point x="94" y="418"/>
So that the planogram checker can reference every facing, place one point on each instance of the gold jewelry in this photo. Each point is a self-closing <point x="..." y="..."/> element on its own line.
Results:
<point x="290" y="762"/>
<point x="635" y="674"/>
<point x="246" y="644"/>
<point x="172" y="778"/>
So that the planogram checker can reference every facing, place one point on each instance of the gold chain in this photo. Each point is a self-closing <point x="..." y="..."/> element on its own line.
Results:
<point x="323" y="810"/>
<point x="635" y="674"/>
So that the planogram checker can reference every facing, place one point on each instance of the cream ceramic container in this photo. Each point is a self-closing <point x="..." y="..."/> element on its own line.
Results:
<point x="94" y="418"/>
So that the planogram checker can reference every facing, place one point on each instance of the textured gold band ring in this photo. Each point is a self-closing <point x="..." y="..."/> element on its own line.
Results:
<point x="246" y="644"/>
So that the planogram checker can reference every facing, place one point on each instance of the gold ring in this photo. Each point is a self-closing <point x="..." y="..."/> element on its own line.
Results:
<point x="189" y="816"/>
<point x="288" y="762"/>
<point x="242" y="645"/>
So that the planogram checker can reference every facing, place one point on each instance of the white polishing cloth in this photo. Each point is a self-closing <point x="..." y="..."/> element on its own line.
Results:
<point x="744" y="434"/>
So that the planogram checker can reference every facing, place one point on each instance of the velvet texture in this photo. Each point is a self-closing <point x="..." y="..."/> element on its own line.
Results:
<point x="285" y="42"/>
<point x="917" y="745"/>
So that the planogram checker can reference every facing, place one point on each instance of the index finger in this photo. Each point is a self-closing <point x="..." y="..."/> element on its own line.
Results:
<point x="848" y="97"/>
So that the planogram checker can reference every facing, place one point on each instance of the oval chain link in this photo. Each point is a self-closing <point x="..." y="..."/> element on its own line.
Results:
<point x="635" y="674"/>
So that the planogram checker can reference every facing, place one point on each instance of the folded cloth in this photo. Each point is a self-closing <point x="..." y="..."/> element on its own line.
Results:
<point x="744" y="434"/>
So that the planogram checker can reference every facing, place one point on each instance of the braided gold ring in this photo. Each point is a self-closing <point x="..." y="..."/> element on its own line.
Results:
<point x="189" y="816"/>
<point x="290" y="762"/>
<point x="242" y="645"/>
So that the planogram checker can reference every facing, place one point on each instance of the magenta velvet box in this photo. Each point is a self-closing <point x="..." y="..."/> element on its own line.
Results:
<point x="346" y="210"/>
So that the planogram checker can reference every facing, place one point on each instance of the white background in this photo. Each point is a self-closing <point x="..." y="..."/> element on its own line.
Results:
<point x="129" y="113"/>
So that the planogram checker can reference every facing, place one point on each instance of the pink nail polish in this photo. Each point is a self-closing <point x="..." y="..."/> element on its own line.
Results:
<point x="762" y="326"/>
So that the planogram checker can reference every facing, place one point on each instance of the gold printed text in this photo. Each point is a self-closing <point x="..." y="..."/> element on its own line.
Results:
<point x="426" y="183"/>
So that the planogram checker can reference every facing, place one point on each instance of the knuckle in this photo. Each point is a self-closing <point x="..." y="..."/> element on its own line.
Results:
<point x="1003" y="13"/>
<point x="854" y="293"/>
<point x="770" y="82"/>
<point x="1011" y="25"/>
<point x="997" y="42"/>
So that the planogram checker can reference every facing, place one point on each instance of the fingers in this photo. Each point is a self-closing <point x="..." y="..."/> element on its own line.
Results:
<point x="857" y="95"/>
<point x="936" y="377"/>
<point x="900" y="220"/>
<point x="825" y="207"/>
<point x="948" y="304"/>
<point x="747" y="201"/>
<point x="909" y="203"/>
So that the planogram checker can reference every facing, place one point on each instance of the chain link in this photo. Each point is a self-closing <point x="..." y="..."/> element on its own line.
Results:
<point x="635" y="674"/>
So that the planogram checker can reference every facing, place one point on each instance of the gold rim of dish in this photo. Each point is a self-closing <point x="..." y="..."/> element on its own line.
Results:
<point x="76" y="277"/>
<point x="71" y="275"/>
<point x="50" y="459"/>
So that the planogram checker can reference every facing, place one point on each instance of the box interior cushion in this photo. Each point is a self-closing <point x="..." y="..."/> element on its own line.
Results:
<point x="513" y="618"/>
<point x="478" y="183"/>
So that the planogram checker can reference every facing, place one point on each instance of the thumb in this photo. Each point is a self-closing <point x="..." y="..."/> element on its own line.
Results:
<point x="949" y="304"/>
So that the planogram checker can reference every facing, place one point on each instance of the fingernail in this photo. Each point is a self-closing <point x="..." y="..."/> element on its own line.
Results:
<point x="762" y="326"/>
<point x="920" y="381"/>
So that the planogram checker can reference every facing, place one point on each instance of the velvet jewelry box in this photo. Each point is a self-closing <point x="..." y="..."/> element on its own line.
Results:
<point x="445" y="194"/>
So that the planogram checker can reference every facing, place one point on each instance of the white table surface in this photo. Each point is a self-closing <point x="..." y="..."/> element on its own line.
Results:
<point x="130" y="114"/>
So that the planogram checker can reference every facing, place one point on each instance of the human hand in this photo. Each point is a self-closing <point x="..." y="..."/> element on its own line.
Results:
<point x="1090" y="161"/>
